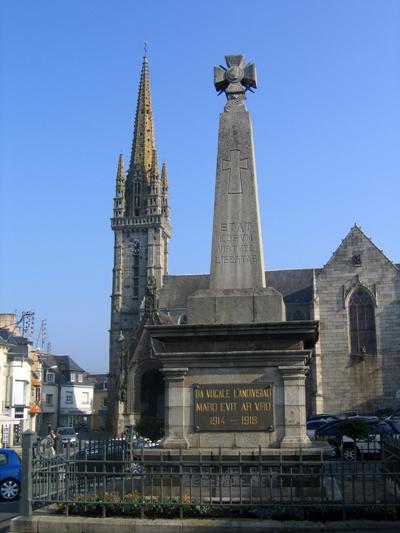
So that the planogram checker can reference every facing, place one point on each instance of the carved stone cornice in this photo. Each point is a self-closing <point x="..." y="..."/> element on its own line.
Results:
<point x="174" y="375"/>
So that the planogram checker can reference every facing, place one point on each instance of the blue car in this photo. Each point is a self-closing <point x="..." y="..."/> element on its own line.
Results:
<point x="10" y="475"/>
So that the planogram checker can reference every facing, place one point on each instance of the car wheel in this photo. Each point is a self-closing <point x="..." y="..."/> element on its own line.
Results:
<point x="349" y="453"/>
<point x="9" y="489"/>
<point x="136" y="469"/>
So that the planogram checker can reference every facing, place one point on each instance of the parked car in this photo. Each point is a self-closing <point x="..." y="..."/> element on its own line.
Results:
<point x="384" y="412"/>
<point x="348" y="414"/>
<point x="350" y="449"/>
<point x="109" y="456"/>
<point x="395" y="415"/>
<point x="313" y="425"/>
<point x="394" y="425"/>
<point x="322" y="416"/>
<point x="67" y="435"/>
<point x="10" y="474"/>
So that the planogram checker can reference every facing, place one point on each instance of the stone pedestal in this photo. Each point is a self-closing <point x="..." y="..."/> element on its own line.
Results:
<point x="294" y="406"/>
<point x="175" y="408"/>
<point x="249" y="355"/>
<point x="236" y="306"/>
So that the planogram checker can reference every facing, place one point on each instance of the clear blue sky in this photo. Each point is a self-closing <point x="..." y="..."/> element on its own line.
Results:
<point x="326" y="122"/>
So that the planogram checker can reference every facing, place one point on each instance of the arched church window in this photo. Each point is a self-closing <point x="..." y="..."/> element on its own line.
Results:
<point x="362" y="323"/>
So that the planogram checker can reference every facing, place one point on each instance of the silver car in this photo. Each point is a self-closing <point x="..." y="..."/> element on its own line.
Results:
<point x="67" y="435"/>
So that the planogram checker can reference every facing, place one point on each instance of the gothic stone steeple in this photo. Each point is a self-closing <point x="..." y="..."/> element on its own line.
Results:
<point x="141" y="227"/>
<point x="143" y="164"/>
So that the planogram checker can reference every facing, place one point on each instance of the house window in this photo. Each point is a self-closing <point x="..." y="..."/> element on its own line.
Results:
<point x="50" y="377"/>
<point x="362" y="323"/>
<point x="69" y="397"/>
<point x="105" y="385"/>
<point x="19" y="412"/>
<point x="105" y="402"/>
<point x="80" y="377"/>
<point x="73" y="377"/>
<point x="19" y="392"/>
<point x="49" y="399"/>
<point x="85" y="398"/>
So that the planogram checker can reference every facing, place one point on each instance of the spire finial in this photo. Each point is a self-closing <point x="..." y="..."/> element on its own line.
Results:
<point x="145" y="49"/>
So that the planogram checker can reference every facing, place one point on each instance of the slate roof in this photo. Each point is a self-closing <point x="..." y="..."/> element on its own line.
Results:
<point x="296" y="286"/>
<point x="62" y="366"/>
<point x="98" y="380"/>
<point x="17" y="341"/>
<point x="177" y="289"/>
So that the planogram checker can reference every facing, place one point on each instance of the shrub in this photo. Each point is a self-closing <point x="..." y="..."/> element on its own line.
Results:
<point x="355" y="429"/>
<point x="151" y="427"/>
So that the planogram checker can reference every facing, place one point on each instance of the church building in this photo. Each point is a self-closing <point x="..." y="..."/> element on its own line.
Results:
<point x="355" y="297"/>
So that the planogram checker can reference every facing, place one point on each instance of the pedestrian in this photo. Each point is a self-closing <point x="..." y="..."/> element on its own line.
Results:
<point x="56" y="439"/>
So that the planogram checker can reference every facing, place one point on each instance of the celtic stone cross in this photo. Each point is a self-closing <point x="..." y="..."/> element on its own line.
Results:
<point x="237" y="78"/>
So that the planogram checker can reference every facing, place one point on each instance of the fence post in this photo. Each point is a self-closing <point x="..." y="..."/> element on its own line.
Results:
<point x="25" y="504"/>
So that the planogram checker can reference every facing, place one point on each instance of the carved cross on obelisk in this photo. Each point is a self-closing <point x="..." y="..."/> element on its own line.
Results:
<point x="234" y="166"/>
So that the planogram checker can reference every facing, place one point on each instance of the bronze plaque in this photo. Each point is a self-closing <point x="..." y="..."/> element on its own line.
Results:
<point x="237" y="407"/>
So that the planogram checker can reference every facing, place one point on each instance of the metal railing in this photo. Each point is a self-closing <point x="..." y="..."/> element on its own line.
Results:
<point x="116" y="477"/>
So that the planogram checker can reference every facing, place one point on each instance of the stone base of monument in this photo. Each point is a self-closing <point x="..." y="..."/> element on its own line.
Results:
<point x="235" y="306"/>
<point x="235" y="385"/>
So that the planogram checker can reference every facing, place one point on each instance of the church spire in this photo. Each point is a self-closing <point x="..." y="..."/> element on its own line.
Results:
<point x="164" y="190"/>
<point x="119" y="199"/>
<point x="143" y="146"/>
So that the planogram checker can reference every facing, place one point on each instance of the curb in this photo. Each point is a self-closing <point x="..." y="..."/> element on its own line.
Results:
<point x="62" y="524"/>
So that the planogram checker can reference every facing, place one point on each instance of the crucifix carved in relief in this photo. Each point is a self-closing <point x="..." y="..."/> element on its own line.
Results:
<point x="235" y="165"/>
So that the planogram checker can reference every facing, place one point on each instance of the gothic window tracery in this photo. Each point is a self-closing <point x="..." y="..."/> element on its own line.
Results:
<point x="362" y="323"/>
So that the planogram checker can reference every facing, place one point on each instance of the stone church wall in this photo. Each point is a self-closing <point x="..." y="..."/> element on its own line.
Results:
<point x="355" y="381"/>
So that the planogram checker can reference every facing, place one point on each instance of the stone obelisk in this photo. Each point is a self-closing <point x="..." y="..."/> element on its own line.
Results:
<point x="237" y="291"/>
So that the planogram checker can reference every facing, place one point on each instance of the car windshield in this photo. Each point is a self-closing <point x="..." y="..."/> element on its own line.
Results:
<point x="66" y="431"/>
<point x="313" y="424"/>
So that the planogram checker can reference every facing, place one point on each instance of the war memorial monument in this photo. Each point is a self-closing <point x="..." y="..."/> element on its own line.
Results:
<point x="234" y="374"/>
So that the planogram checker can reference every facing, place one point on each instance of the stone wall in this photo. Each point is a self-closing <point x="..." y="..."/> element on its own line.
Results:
<point x="350" y="381"/>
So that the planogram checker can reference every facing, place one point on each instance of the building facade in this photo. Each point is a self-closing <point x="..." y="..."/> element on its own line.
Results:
<point x="67" y="394"/>
<point x="22" y="377"/>
<point x="355" y="297"/>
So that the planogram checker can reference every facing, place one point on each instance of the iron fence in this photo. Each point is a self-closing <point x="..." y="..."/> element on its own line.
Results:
<point x="120" y="477"/>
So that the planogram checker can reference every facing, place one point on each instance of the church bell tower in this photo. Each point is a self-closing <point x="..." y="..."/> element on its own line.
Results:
<point x="142" y="229"/>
